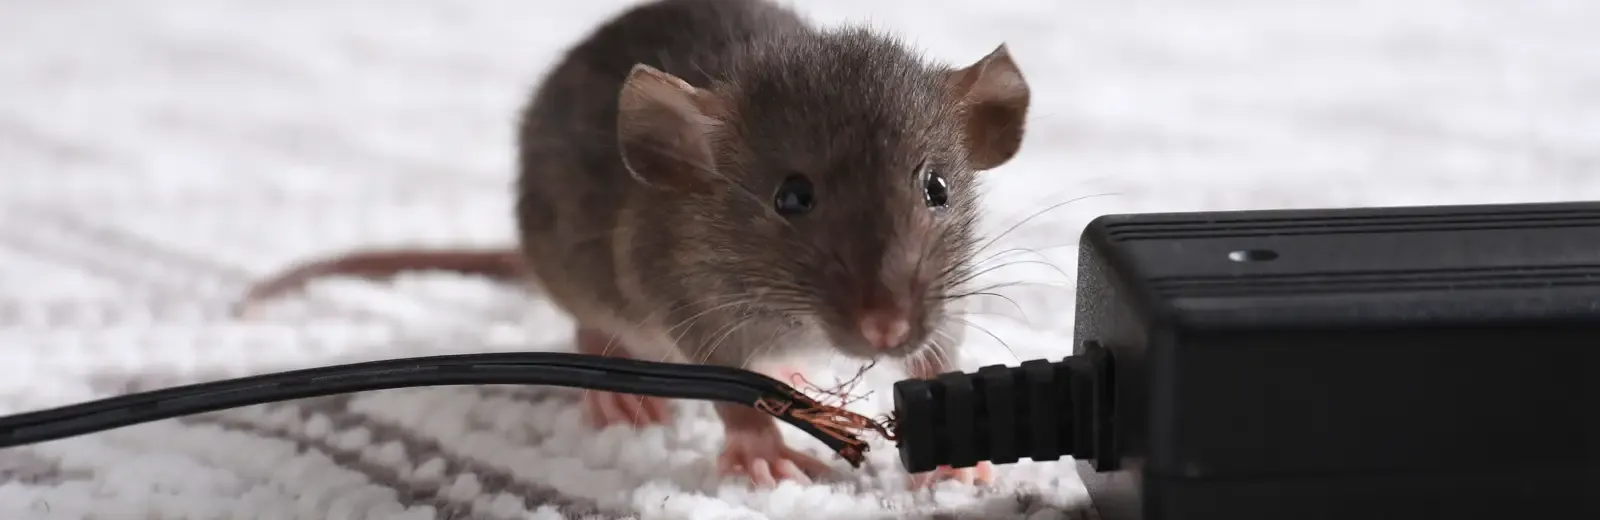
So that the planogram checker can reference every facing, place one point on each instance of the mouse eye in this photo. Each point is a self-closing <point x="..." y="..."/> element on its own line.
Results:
<point x="935" y="191"/>
<point x="795" y="196"/>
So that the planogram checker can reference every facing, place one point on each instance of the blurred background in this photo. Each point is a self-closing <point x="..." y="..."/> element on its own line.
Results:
<point x="245" y="135"/>
<point x="253" y="133"/>
<point x="158" y="155"/>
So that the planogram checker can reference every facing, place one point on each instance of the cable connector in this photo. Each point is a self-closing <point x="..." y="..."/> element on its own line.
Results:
<point x="1039" y="410"/>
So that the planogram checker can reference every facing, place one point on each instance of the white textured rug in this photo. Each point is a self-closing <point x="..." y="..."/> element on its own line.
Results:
<point x="158" y="155"/>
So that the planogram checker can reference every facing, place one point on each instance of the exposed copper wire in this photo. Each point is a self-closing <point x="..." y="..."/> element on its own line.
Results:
<point x="832" y="418"/>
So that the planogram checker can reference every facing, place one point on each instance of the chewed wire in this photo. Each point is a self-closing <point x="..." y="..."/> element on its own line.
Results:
<point x="838" y="428"/>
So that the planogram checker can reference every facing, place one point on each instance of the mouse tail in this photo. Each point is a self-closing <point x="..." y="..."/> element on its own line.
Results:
<point x="500" y="264"/>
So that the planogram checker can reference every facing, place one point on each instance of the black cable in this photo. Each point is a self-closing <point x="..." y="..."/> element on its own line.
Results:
<point x="833" y="426"/>
<point x="1039" y="410"/>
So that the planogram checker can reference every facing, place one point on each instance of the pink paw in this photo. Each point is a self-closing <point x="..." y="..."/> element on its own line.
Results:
<point x="982" y="474"/>
<point x="603" y="409"/>
<point x="764" y="458"/>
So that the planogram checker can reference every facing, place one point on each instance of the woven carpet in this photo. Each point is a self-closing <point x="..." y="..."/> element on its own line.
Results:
<point x="157" y="156"/>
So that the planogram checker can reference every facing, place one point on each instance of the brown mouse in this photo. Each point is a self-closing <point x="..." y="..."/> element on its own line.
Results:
<point x="709" y="181"/>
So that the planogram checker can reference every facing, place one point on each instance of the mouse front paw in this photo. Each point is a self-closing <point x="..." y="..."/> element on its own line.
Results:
<point x="603" y="409"/>
<point x="764" y="458"/>
<point x="980" y="475"/>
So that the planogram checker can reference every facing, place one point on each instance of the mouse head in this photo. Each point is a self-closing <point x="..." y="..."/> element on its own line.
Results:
<point x="840" y="172"/>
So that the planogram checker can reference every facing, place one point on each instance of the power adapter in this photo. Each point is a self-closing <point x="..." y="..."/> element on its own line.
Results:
<point x="1400" y="362"/>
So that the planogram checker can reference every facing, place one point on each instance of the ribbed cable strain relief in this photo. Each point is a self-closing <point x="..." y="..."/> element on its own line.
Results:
<point x="1039" y="410"/>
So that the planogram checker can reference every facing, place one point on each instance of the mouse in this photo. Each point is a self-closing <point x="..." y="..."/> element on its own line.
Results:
<point x="726" y="181"/>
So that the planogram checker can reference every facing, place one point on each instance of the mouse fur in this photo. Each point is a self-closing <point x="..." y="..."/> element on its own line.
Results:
<point x="687" y="236"/>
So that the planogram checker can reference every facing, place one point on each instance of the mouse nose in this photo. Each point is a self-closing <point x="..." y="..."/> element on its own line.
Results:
<point x="884" y="329"/>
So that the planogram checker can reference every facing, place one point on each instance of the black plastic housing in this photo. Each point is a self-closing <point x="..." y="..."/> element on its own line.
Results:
<point x="1038" y="410"/>
<point x="1416" y="363"/>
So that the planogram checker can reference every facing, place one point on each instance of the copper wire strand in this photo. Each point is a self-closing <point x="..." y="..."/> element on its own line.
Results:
<point x="832" y="417"/>
<point x="841" y="392"/>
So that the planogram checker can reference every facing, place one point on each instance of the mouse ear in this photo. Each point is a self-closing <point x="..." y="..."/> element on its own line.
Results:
<point x="662" y="130"/>
<point x="993" y="97"/>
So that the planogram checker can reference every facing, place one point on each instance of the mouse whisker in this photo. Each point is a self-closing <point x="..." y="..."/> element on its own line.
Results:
<point x="941" y="355"/>
<point x="1033" y="283"/>
<point x="994" y="294"/>
<point x="961" y="279"/>
<point x="994" y="314"/>
<point x="669" y="308"/>
<point x="991" y="288"/>
<point x="943" y="348"/>
<point x="963" y="252"/>
<point x="1052" y="207"/>
<point x="1047" y="261"/>
<point x="774" y="288"/>
<point x="686" y="324"/>
<point x="687" y="321"/>
<point x="917" y="361"/>
<point x="734" y="327"/>
<point x="692" y="354"/>
<point x="1023" y="250"/>
<point x="986" y="331"/>
<point x="765" y="349"/>
<point x="767" y="289"/>
<point x="975" y="275"/>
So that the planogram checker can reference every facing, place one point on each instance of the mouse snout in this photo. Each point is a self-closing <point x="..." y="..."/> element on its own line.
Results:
<point x="884" y="319"/>
<point x="881" y="305"/>
<point x="885" y="329"/>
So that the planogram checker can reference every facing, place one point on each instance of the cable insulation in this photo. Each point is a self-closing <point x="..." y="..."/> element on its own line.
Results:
<point x="834" y="426"/>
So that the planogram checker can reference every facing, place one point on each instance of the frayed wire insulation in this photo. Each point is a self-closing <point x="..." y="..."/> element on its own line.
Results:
<point x="836" y="427"/>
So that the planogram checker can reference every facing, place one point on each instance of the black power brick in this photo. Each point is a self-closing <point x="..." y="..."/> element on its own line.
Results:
<point x="1409" y="363"/>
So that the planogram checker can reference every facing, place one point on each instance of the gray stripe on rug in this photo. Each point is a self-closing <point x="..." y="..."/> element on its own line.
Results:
<point x="406" y="493"/>
<point x="25" y="466"/>
<point x="336" y="410"/>
<point x="532" y="494"/>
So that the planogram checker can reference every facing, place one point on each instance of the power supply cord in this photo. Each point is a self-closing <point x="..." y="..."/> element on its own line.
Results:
<point x="1040" y="410"/>
<point x="835" y="427"/>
